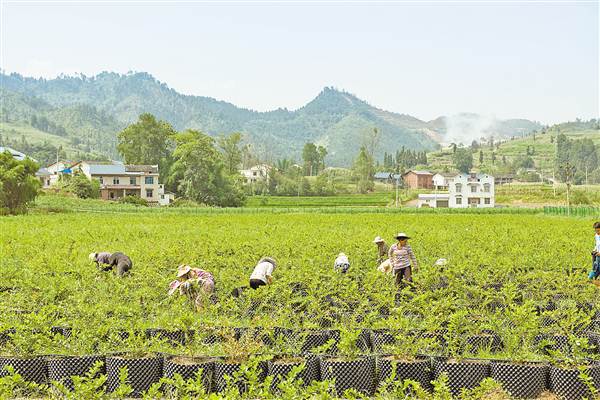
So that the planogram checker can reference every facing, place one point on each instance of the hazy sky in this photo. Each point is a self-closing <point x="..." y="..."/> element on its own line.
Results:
<point x="532" y="60"/>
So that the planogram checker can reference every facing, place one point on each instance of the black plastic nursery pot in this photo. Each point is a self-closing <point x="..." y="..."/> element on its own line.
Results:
<point x="63" y="368"/>
<point x="32" y="369"/>
<point x="463" y="374"/>
<point x="6" y="335"/>
<point x="566" y="383"/>
<point x="280" y="367"/>
<point x="188" y="367"/>
<point x="61" y="330"/>
<point x="418" y="370"/>
<point x="142" y="372"/>
<point x="175" y="337"/>
<point x="487" y="340"/>
<point x="316" y="339"/>
<point x="381" y="338"/>
<point x="358" y="374"/>
<point x="225" y="368"/>
<point x="555" y="342"/>
<point x="521" y="380"/>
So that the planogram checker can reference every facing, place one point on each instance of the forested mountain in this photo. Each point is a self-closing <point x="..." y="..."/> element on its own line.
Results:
<point x="89" y="111"/>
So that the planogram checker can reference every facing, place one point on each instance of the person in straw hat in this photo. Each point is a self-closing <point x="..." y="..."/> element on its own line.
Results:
<point x="382" y="250"/>
<point x="194" y="283"/>
<point x="402" y="258"/>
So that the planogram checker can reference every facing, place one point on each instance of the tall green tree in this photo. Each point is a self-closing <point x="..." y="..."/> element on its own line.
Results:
<point x="310" y="156"/>
<point x="463" y="160"/>
<point x="232" y="153"/>
<point x="147" y="141"/>
<point x="199" y="172"/>
<point x="18" y="183"/>
<point x="363" y="171"/>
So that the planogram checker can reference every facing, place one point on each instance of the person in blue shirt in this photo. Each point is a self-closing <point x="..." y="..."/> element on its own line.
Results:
<point x="595" y="272"/>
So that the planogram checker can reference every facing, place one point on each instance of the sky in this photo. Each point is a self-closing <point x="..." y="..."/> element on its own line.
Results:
<point x="535" y="60"/>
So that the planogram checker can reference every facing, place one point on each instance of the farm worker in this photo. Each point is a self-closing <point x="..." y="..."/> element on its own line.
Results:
<point x="119" y="260"/>
<point x="193" y="282"/>
<point x="100" y="258"/>
<point x="263" y="272"/>
<point x="382" y="250"/>
<point x="341" y="263"/>
<point x="595" y="272"/>
<point x="403" y="259"/>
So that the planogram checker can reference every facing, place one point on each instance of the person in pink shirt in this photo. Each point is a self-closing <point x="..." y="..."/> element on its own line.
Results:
<point x="403" y="259"/>
<point x="194" y="283"/>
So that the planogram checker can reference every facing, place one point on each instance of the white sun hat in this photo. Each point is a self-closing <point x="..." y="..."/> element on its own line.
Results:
<point x="378" y="239"/>
<point x="92" y="256"/>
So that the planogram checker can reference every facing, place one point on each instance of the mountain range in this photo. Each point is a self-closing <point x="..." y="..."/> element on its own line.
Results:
<point x="90" y="111"/>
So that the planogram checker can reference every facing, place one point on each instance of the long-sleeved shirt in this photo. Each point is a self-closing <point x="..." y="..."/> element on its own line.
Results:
<point x="597" y="242"/>
<point x="118" y="258"/>
<point x="201" y="278"/>
<point x="382" y="253"/>
<point x="402" y="257"/>
<point x="103" y="258"/>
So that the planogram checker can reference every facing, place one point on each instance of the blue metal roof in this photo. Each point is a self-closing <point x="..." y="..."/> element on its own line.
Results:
<point x="107" y="169"/>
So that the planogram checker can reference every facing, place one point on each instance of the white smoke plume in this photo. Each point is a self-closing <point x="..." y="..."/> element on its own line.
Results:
<point x="464" y="128"/>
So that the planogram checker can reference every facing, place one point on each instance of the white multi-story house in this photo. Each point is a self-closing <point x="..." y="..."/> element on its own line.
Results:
<point x="257" y="173"/>
<point x="464" y="190"/>
<point x="471" y="190"/>
<point x="118" y="180"/>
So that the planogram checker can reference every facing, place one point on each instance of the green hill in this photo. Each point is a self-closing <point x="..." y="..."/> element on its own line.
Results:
<point x="89" y="111"/>
<point x="541" y="145"/>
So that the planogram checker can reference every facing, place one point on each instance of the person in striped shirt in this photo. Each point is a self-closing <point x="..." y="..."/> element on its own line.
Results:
<point x="403" y="259"/>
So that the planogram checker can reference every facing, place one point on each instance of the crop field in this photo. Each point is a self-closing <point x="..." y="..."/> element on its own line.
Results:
<point x="511" y="314"/>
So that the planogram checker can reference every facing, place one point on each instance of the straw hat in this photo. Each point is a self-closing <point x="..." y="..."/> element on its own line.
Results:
<point x="378" y="239"/>
<point x="402" y="235"/>
<point x="183" y="270"/>
<point x="441" y="262"/>
<point x="92" y="256"/>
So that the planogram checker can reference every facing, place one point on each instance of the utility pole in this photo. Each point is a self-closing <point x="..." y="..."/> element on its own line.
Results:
<point x="569" y="171"/>
<point x="397" y="183"/>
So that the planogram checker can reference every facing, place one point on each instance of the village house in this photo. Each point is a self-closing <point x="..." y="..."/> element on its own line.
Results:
<point x="464" y="190"/>
<point x="414" y="179"/>
<point x="440" y="180"/>
<point x="257" y="173"/>
<point x="118" y="180"/>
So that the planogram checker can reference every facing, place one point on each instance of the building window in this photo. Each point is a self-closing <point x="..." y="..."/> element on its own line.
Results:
<point x="486" y="200"/>
<point x="132" y="180"/>
<point x="116" y="180"/>
<point x="162" y="196"/>
<point x="253" y="173"/>
<point x="459" y="187"/>
<point x="149" y="180"/>
<point x="100" y="180"/>
<point x="112" y="195"/>
<point x="486" y="187"/>
<point x="473" y="189"/>
<point x="459" y="200"/>
<point x="148" y="192"/>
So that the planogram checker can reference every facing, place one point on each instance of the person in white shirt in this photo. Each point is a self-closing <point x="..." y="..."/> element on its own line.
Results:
<point x="263" y="273"/>
<point x="341" y="263"/>
<point x="595" y="272"/>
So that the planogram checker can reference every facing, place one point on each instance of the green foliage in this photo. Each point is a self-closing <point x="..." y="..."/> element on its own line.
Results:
<point x="363" y="171"/>
<point x="136" y="200"/>
<point x="463" y="160"/>
<point x="199" y="173"/>
<point x="81" y="186"/>
<point x="18" y="183"/>
<point x="147" y="141"/>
